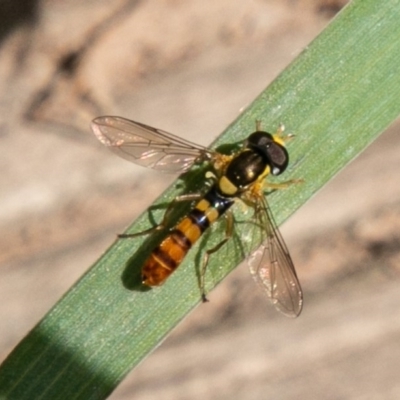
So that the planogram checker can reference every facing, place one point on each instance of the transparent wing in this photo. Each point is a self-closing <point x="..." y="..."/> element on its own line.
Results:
<point x="147" y="146"/>
<point x="271" y="266"/>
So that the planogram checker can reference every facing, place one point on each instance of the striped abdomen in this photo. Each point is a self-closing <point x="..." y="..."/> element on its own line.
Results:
<point x="168" y="255"/>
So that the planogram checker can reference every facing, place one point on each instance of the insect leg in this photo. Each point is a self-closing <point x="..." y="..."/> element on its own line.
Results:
<point x="279" y="131"/>
<point x="228" y="235"/>
<point x="280" y="136"/>
<point x="164" y="223"/>
<point x="282" y="185"/>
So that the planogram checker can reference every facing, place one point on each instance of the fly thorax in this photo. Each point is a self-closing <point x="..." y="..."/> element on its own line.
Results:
<point x="244" y="169"/>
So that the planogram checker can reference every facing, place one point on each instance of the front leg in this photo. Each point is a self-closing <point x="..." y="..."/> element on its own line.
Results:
<point x="281" y="185"/>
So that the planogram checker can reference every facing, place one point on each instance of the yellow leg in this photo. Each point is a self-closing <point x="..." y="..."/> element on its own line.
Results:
<point x="281" y="185"/>
<point x="279" y="135"/>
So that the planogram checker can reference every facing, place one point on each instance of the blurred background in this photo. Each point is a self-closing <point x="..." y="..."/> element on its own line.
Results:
<point x="189" y="67"/>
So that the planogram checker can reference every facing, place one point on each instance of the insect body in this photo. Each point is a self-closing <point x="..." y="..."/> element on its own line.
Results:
<point x="166" y="257"/>
<point x="237" y="176"/>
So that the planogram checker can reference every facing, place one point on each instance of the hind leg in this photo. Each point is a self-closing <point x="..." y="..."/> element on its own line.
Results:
<point x="167" y="215"/>
<point x="228" y="235"/>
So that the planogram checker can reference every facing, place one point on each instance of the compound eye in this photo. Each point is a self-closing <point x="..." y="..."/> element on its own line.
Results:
<point x="278" y="158"/>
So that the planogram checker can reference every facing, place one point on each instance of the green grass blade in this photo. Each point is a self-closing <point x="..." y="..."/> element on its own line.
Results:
<point x="337" y="96"/>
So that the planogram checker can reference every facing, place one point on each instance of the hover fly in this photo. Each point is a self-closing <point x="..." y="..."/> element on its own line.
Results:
<point x="238" y="176"/>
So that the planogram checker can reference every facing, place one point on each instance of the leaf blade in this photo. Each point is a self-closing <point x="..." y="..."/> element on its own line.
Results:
<point x="337" y="96"/>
